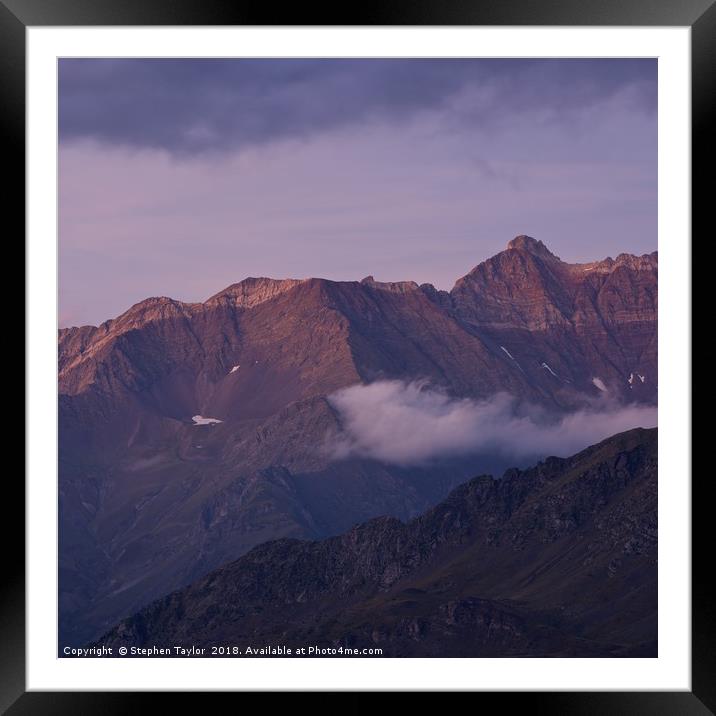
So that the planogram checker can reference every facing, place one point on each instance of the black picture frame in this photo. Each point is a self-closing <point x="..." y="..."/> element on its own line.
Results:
<point x="699" y="15"/>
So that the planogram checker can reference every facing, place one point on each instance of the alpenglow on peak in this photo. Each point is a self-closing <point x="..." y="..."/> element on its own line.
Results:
<point x="534" y="246"/>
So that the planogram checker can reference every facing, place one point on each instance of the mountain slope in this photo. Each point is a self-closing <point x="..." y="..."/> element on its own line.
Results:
<point x="317" y="334"/>
<point x="568" y="324"/>
<point x="556" y="560"/>
<point x="150" y="499"/>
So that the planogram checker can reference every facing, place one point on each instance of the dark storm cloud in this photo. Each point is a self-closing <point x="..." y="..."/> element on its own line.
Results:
<point x="188" y="106"/>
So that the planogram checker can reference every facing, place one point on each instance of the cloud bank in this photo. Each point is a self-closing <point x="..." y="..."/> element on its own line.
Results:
<point x="189" y="106"/>
<point x="411" y="423"/>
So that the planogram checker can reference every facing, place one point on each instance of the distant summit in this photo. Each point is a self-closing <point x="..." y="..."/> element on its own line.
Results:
<point x="534" y="246"/>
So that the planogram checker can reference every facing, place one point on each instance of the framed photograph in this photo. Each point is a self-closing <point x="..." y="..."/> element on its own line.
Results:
<point x="346" y="364"/>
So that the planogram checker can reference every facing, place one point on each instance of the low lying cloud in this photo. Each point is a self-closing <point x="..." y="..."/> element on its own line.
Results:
<point x="412" y="423"/>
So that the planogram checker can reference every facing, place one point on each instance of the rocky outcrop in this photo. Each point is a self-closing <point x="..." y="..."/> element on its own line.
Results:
<point x="564" y="324"/>
<point x="252" y="291"/>
<point x="395" y="286"/>
<point x="557" y="560"/>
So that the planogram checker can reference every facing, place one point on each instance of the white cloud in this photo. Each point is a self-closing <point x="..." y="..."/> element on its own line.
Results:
<point x="412" y="423"/>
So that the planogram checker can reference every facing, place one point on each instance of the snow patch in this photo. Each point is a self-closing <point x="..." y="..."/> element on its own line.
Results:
<point x="544" y="365"/>
<point x="634" y="376"/>
<point x="512" y="358"/>
<point x="234" y="369"/>
<point x="201" y="420"/>
<point x="599" y="383"/>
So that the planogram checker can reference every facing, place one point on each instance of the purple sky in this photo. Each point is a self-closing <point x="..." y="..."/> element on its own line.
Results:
<point x="179" y="177"/>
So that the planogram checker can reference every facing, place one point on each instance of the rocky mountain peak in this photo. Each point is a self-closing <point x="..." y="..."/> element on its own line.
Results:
<point x="394" y="286"/>
<point x="253" y="291"/>
<point x="534" y="246"/>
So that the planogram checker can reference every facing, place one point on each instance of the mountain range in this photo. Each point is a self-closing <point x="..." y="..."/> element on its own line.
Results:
<point x="554" y="561"/>
<point x="189" y="433"/>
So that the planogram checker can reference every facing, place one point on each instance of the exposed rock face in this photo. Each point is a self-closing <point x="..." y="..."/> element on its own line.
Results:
<point x="252" y="291"/>
<point x="556" y="560"/>
<point x="581" y="320"/>
<point x="150" y="501"/>
<point x="396" y="286"/>
<point x="533" y="246"/>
